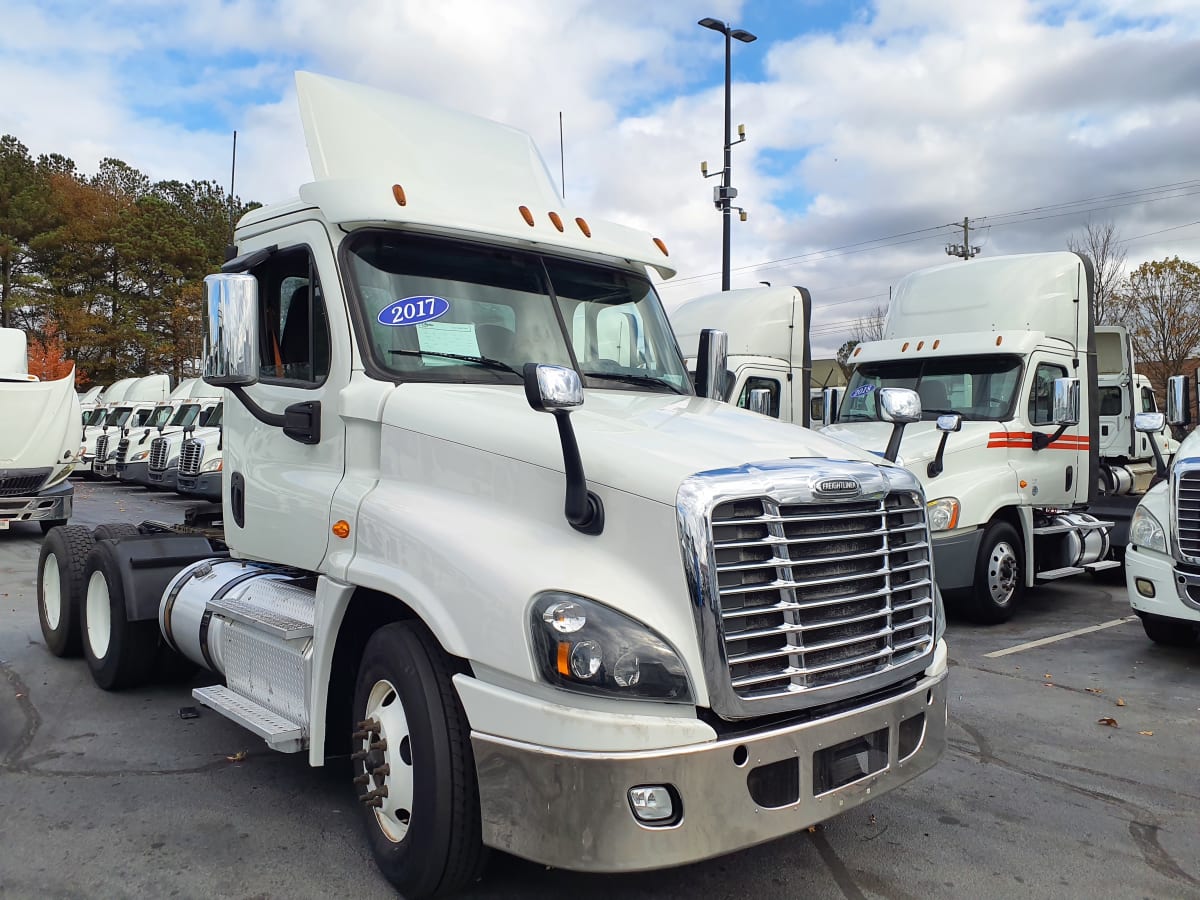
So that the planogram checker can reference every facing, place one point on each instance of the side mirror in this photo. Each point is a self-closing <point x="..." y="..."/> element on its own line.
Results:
<point x="1149" y="422"/>
<point x="552" y="388"/>
<point x="833" y="398"/>
<point x="1179" y="403"/>
<point x="712" y="359"/>
<point x="949" y="422"/>
<point x="1066" y="401"/>
<point x="760" y="401"/>
<point x="231" y="330"/>
<point x="899" y="405"/>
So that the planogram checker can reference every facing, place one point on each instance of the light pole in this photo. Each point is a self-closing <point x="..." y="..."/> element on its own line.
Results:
<point x="723" y="195"/>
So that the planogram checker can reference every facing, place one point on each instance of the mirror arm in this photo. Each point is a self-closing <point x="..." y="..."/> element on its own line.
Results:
<point x="583" y="508"/>
<point x="934" y="469"/>
<point x="1041" y="440"/>
<point x="1160" y="464"/>
<point x="893" y="447"/>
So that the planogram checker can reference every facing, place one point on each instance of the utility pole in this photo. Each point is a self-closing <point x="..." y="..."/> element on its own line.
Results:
<point x="963" y="250"/>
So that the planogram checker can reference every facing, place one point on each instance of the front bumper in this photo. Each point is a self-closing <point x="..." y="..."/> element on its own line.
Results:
<point x="570" y="808"/>
<point x="52" y="504"/>
<point x="954" y="556"/>
<point x="1176" y="592"/>
<point x="165" y="478"/>
<point x="137" y="472"/>
<point x="207" y="485"/>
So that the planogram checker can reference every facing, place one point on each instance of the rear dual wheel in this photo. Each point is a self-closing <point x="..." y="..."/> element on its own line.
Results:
<point x="61" y="580"/>
<point x="120" y="653"/>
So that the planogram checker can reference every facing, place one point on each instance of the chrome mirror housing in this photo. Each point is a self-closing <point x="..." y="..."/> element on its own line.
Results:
<point x="1179" y="407"/>
<point x="949" y="422"/>
<point x="899" y="405"/>
<point x="231" y="330"/>
<point x="557" y="387"/>
<point x="1066" y="401"/>
<point x="1149" y="422"/>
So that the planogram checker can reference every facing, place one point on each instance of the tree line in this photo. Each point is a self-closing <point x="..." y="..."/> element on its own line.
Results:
<point x="107" y="270"/>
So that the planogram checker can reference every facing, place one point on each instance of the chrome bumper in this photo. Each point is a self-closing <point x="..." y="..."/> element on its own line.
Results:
<point x="571" y="809"/>
<point x="53" y="504"/>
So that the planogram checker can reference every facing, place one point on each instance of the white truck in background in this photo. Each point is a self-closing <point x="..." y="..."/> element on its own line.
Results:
<point x="141" y="398"/>
<point x="548" y="599"/>
<point x="153" y="450"/>
<point x="1024" y="484"/>
<point x="201" y="459"/>
<point x="40" y="439"/>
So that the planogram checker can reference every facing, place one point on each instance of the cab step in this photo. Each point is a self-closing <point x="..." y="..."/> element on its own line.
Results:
<point x="1102" y="565"/>
<point x="1064" y="572"/>
<point x="279" y="733"/>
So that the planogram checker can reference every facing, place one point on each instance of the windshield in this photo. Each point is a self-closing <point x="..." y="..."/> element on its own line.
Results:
<point x="976" y="387"/>
<point x="440" y="310"/>
<point x="119" y="415"/>
<point x="94" y="416"/>
<point x="211" y="418"/>
<point x="160" y="416"/>
<point x="186" y="414"/>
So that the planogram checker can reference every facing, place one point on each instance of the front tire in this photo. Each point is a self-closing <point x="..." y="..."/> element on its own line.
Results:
<point x="121" y="654"/>
<point x="1168" y="632"/>
<point x="999" y="575"/>
<point x="415" y="772"/>
<point x="60" y="587"/>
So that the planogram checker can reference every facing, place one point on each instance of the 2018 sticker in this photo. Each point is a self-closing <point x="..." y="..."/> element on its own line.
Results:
<point x="413" y="310"/>
<point x="862" y="390"/>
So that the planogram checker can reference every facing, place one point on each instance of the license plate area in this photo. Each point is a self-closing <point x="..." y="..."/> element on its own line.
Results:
<point x="850" y="761"/>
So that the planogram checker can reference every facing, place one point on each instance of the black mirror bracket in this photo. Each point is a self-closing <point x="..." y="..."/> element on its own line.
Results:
<point x="583" y="508"/>
<point x="934" y="469"/>
<point x="1041" y="440"/>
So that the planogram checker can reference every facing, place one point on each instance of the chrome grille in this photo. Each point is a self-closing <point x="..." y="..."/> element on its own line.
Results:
<point x="190" y="456"/>
<point x="123" y="450"/>
<point x="819" y="594"/>
<point x="158" y="454"/>
<point x="20" y="482"/>
<point x="101" y="448"/>
<point x="1187" y="513"/>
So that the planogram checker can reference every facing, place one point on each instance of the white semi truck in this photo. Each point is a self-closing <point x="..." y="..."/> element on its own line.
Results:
<point x="40" y="439"/>
<point x="142" y="397"/>
<point x="1027" y="450"/>
<point x="1162" y="562"/>
<point x="202" y="459"/>
<point x="150" y="456"/>
<point x="547" y="598"/>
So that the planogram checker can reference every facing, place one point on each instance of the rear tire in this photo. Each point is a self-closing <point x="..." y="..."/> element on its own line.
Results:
<point x="999" y="576"/>
<point x="48" y="524"/>
<point x="1169" y="632"/>
<point x="121" y="654"/>
<point x="425" y="834"/>
<point x="60" y="587"/>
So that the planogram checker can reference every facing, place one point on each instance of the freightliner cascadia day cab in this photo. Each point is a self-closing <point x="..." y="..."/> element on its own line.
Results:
<point x="1003" y="353"/>
<point x="1162" y="563"/>
<point x="40" y="439"/>
<point x="201" y="459"/>
<point x="142" y="397"/>
<point x="643" y="629"/>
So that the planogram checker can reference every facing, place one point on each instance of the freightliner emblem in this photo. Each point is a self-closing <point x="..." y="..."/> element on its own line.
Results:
<point x="840" y="487"/>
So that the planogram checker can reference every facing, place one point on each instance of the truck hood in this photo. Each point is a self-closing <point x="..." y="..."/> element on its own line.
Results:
<point x="645" y="444"/>
<point x="43" y="422"/>
<point x="920" y="442"/>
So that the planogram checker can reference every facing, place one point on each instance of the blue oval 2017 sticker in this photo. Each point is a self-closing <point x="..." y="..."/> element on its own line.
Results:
<point x="862" y="390"/>
<point x="414" y="310"/>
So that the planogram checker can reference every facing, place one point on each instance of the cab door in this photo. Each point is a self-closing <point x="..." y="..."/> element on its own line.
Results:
<point x="1052" y="472"/>
<point x="278" y="486"/>
<point x="774" y="381"/>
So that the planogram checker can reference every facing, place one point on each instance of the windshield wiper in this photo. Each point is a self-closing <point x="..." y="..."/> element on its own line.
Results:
<point x="484" y="361"/>
<point x="629" y="378"/>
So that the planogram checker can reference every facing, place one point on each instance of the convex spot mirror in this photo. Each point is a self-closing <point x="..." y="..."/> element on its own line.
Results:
<point x="899" y="405"/>
<point x="552" y="387"/>
<point x="949" y="422"/>
<point x="1149" y="422"/>
<point x="231" y="330"/>
<point x="1066" y="401"/>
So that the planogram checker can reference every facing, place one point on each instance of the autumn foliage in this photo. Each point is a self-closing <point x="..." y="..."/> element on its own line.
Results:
<point x="46" y="358"/>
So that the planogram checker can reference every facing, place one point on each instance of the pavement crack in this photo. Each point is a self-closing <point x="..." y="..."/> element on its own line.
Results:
<point x="1145" y="835"/>
<point x="33" y="720"/>
<point x="837" y="868"/>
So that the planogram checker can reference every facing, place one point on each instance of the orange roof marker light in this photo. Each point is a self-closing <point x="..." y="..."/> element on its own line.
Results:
<point x="398" y="193"/>
<point x="935" y="343"/>
<point x="999" y="339"/>
<point x="920" y="344"/>
<point x="556" y="219"/>
<point x="341" y="528"/>
<point x="905" y="347"/>
<point x="584" y="227"/>
<point x="857" y="350"/>
<point x="526" y="215"/>
<point x="661" y="246"/>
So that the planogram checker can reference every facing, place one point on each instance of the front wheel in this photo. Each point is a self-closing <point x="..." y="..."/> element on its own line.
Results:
<point x="999" y="575"/>
<point x="413" y="765"/>
<point x="1169" y="632"/>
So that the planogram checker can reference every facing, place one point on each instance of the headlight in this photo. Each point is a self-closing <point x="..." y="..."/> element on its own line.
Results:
<point x="581" y="645"/>
<point x="139" y="456"/>
<point x="213" y="465"/>
<point x="1145" y="530"/>
<point x="942" y="513"/>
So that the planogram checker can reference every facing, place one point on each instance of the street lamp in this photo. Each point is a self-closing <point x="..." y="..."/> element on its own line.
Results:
<point x="723" y="196"/>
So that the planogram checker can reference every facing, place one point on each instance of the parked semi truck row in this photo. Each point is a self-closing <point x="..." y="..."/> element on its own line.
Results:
<point x="480" y="533"/>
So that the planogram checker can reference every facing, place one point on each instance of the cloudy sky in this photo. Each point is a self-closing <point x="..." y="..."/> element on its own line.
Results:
<point x="871" y="126"/>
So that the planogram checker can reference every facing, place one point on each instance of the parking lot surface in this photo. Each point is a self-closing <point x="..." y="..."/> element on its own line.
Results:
<point x="115" y="795"/>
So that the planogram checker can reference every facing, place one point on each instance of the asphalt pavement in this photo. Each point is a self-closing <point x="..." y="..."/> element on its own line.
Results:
<point x="116" y="795"/>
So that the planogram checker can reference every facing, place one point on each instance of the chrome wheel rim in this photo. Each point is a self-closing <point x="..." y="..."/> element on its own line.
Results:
<point x="99" y="615"/>
<point x="51" y="592"/>
<point x="386" y="760"/>
<point x="1002" y="572"/>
